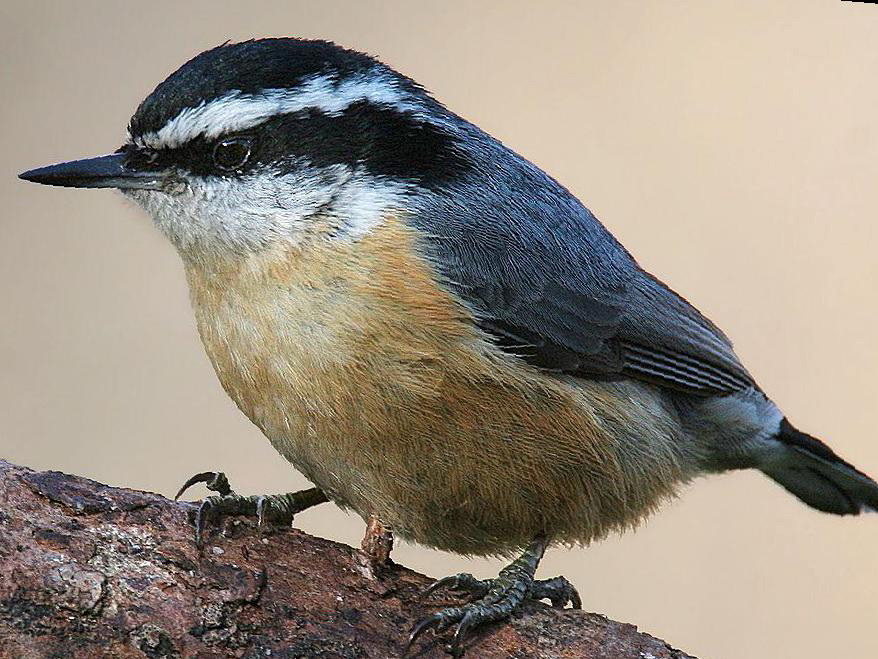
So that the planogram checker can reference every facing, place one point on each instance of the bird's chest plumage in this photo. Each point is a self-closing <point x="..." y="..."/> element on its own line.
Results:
<point x="377" y="385"/>
<point x="328" y="347"/>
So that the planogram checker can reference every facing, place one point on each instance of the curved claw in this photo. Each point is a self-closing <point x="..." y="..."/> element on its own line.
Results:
<point x="433" y="621"/>
<point x="464" y="582"/>
<point x="215" y="481"/>
<point x="444" y="582"/>
<point x="203" y="477"/>
<point x="462" y="630"/>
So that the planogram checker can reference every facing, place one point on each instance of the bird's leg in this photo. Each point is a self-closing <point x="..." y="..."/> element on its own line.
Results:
<point x="277" y="509"/>
<point x="496" y="599"/>
<point x="378" y="541"/>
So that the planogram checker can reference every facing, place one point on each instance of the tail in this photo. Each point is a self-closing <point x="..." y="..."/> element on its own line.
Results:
<point x="812" y="471"/>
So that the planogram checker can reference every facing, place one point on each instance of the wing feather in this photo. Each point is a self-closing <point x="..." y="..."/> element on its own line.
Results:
<point x="544" y="277"/>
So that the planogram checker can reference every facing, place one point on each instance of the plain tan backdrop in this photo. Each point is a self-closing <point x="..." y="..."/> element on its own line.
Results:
<point x="732" y="146"/>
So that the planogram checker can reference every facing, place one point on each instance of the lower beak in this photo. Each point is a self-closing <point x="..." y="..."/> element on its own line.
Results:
<point x="102" y="172"/>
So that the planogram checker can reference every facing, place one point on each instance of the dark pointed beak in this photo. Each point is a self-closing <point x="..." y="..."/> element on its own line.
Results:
<point x="102" y="172"/>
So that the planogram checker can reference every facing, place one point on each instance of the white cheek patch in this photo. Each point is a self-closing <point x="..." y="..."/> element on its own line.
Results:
<point x="236" y="111"/>
<point x="251" y="212"/>
<point x="364" y="201"/>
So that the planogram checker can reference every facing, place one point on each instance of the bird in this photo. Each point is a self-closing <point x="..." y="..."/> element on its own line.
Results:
<point x="436" y="333"/>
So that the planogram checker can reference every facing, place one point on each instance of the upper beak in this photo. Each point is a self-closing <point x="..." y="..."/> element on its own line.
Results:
<point x="102" y="172"/>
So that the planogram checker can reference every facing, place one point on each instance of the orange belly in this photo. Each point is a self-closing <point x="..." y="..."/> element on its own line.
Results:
<point x="378" y="386"/>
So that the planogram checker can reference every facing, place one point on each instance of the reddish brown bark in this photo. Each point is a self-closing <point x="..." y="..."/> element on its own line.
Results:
<point x="94" y="571"/>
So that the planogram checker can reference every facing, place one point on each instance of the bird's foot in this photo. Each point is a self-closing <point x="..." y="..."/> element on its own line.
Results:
<point x="274" y="509"/>
<point x="558" y="590"/>
<point x="495" y="599"/>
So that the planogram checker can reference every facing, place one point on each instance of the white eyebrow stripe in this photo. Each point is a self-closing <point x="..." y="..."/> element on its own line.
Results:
<point x="236" y="111"/>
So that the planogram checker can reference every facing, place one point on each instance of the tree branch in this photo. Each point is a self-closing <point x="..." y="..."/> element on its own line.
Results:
<point x="95" y="571"/>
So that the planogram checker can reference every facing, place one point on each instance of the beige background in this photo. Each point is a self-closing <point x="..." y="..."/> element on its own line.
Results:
<point x="732" y="146"/>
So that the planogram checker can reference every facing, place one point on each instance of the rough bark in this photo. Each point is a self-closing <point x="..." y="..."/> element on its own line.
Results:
<point x="95" y="571"/>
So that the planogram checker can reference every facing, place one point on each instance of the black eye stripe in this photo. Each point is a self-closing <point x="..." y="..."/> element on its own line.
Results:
<point x="231" y="154"/>
<point x="140" y="158"/>
<point x="196" y="156"/>
<point x="378" y="139"/>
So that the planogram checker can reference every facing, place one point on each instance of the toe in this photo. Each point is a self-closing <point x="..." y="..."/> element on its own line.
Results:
<point x="559" y="591"/>
<point x="219" y="483"/>
<point x="439" y="621"/>
<point x="498" y="602"/>
<point x="463" y="582"/>
<point x="268" y="512"/>
<point x="421" y="627"/>
<point x="474" y="617"/>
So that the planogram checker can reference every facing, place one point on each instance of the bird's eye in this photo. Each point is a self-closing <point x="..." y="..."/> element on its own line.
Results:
<point x="233" y="153"/>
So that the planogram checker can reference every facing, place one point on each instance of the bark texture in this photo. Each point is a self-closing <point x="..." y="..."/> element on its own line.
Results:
<point x="95" y="571"/>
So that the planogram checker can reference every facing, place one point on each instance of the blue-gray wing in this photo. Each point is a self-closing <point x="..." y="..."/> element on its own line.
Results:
<point x="550" y="284"/>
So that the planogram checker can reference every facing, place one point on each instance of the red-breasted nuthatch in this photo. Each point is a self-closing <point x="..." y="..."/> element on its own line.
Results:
<point x="431" y="329"/>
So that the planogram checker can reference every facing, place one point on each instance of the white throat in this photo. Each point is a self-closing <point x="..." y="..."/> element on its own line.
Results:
<point x="247" y="213"/>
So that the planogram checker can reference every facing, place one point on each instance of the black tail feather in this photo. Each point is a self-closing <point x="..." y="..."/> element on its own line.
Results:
<point x="809" y="469"/>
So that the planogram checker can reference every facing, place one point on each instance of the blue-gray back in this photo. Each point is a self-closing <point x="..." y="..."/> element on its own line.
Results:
<point x="551" y="284"/>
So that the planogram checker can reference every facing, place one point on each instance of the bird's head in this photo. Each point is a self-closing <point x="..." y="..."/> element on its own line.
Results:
<point x="276" y="139"/>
